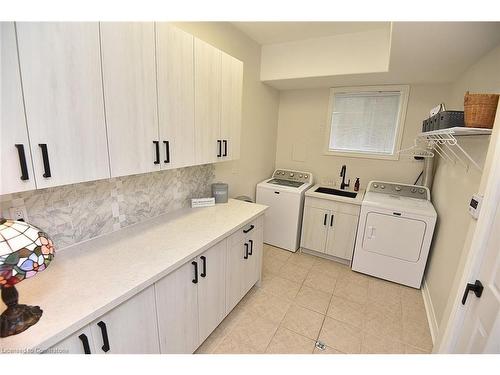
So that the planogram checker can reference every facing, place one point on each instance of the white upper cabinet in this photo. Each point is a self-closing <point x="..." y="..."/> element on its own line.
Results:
<point x="175" y="72"/>
<point x="61" y="78"/>
<point x="231" y="96"/>
<point x="129" y="77"/>
<point x="16" y="172"/>
<point x="207" y="81"/>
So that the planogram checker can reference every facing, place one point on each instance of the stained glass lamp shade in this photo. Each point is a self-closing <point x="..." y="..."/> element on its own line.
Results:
<point x="24" y="251"/>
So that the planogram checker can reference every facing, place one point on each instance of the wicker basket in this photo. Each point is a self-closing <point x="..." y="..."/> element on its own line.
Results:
<point x="480" y="110"/>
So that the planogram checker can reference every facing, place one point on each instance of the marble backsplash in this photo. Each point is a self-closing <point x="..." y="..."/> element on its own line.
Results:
<point x="78" y="212"/>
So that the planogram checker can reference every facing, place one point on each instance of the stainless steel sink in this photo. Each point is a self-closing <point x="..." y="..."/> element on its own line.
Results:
<point x="331" y="191"/>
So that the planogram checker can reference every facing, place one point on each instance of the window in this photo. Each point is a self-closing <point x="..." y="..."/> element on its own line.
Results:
<point x="366" y="121"/>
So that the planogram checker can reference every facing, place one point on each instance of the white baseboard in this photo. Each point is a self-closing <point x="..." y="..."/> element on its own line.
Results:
<point x="429" y="309"/>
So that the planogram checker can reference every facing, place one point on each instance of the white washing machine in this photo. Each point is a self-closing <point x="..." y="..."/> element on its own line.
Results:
<point x="395" y="229"/>
<point x="284" y="194"/>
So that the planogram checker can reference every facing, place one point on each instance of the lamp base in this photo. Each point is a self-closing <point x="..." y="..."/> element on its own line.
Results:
<point x="17" y="318"/>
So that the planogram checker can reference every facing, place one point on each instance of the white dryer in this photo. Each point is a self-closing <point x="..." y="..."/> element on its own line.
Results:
<point x="395" y="229"/>
<point x="284" y="194"/>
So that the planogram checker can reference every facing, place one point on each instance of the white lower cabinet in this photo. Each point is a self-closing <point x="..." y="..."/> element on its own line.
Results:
<point x="329" y="227"/>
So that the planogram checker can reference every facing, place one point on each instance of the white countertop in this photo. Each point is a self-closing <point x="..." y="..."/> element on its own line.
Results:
<point x="337" y="198"/>
<point x="88" y="279"/>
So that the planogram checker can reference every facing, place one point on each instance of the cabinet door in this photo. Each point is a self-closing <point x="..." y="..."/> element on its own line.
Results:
<point x="14" y="135"/>
<point x="254" y="264"/>
<point x="177" y="310"/>
<point x="129" y="328"/>
<point x="128" y="63"/>
<point x="212" y="288"/>
<point x="236" y="273"/>
<point x="341" y="235"/>
<point x="207" y="81"/>
<point x="175" y="71"/>
<point x="61" y="76"/>
<point x="314" y="228"/>
<point x="80" y="342"/>
<point x="231" y="95"/>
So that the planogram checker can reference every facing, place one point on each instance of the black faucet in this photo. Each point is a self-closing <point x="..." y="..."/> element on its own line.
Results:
<point x="343" y="185"/>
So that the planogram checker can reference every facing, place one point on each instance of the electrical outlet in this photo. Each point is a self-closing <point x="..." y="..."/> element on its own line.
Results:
<point x="19" y="213"/>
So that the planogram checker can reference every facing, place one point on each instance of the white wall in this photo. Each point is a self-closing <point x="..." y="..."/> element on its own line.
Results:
<point x="259" y="112"/>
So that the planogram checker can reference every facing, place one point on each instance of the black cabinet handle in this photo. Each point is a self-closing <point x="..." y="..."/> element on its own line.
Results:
<point x="167" y="151"/>
<point x="251" y="247"/>
<point x="195" y="264"/>
<point x="219" y="147"/>
<point x="157" y="151"/>
<point x="225" y="147"/>
<point x="22" y="162"/>
<point x="249" y="229"/>
<point x="477" y="288"/>
<point x="45" y="157"/>
<point x="331" y="221"/>
<point x="246" y="252"/>
<point x="85" y="342"/>
<point x="105" y="347"/>
<point x="204" y="265"/>
<point x="324" y="221"/>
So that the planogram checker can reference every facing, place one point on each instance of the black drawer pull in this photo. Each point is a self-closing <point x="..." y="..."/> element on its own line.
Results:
<point x="105" y="340"/>
<point x="157" y="152"/>
<point x="204" y="266"/>
<point x="167" y="151"/>
<point x="22" y="161"/>
<point x="324" y="221"/>
<point x="85" y="342"/>
<point x="225" y="147"/>
<point x="246" y="252"/>
<point x="251" y="247"/>
<point x="331" y="221"/>
<point x="46" y="163"/>
<point x="195" y="264"/>
<point x="249" y="229"/>
<point x="219" y="147"/>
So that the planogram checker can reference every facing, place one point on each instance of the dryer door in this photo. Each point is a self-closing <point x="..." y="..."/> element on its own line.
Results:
<point x="394" y="236"/>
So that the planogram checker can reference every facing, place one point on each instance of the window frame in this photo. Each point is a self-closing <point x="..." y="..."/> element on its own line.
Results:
<point x="403" y="89"/>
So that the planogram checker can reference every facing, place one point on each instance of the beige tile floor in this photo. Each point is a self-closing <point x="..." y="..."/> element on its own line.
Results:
<point x="304" y="298"/>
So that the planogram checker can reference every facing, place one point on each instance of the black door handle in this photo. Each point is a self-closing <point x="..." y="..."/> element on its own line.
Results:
<point x="157" y="151"/>
<point x="85" y="342"/>
<point x="225" y="147"/>
<point x="45" y="158"/>
<point x="249" y="229"/>
<point x="219" y="145"/>
<point x="22" y="161"/>
<point x="195" y="264"/>
<point x="167" y="151"/>
<point x="331" y="221"/>
<point x="204" y="266"/>
<point x="324" y="221"/>
<point x="105" y="340"/>
<point x="246" y="251"/>
<point x="251" y="247"/>
<point x="477" y="288"/>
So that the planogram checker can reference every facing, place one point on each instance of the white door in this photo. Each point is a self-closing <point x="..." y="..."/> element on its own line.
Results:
<point x="175" y="70"/>
<point x="341" y="235"/>
<point x="129" y="78"/>
<point x="80" y="342"/>
<point x="61" y="76"/>
<point x="481" y="330"/>
<point x="16" y="172"/>
<point x="177" y="310"/>
<point x="315" y="225"/>
<point x="237" y="260"/>
<point x="129" y="328"/>
<point x="212" y="288"/>
<point x="207" y="83"/>
<point x="231" y="96"/>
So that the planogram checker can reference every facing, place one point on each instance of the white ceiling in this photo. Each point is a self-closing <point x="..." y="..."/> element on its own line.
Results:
<point x="280" y="32"/>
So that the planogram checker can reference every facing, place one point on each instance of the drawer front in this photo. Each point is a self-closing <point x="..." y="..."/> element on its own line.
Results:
<point x="345" y="208"/>
<point x="246" y="231"/>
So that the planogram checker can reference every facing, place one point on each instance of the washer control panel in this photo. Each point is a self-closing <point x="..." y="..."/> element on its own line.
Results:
<point x="400" y="190"/>
<point x="287" y="174"/>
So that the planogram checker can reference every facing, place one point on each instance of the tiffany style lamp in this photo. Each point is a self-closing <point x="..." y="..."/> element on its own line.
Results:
<point x="24" y="251"/>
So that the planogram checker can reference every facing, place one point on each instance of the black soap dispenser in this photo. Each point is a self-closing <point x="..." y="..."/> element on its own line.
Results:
<point x="356" y="184"/>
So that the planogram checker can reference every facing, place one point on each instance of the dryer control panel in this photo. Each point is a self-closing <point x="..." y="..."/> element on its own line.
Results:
<point x="400" y="190"/>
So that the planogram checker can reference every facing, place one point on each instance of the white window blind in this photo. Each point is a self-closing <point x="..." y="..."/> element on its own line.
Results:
<point x="365" y="122"/>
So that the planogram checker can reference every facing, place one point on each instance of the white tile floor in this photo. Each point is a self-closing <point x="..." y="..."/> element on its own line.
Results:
<point x="304" y="298"/>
